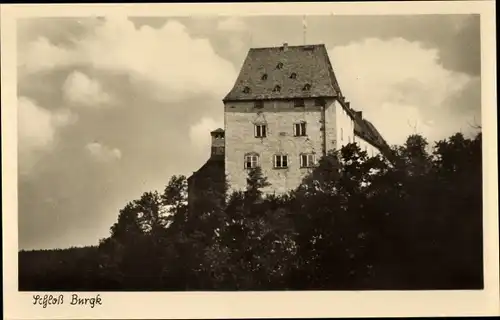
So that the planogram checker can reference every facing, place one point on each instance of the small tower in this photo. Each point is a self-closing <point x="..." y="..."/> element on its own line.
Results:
<point x="211" y="175"/>
<point x="218" y="142"/>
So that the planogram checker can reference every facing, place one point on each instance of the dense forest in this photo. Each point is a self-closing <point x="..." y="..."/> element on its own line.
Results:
<point x="355" y="223"/>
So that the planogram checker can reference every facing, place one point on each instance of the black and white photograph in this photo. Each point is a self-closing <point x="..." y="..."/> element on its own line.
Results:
<point x="270" y="152"/>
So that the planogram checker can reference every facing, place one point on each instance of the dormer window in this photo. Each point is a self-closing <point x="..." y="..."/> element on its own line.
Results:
<point x="264" y="76"/>
<point x="307" y="87"/>
<point x="279" y="65"/>
<point x="293" y="76"/>
<point x="246" y="90"/>
<point x="277" y="89"/>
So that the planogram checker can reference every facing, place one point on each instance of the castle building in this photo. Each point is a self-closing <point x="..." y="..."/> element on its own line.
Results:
<point x="284" y="112"/>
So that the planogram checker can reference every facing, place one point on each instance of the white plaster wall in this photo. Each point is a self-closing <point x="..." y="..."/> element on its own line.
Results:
<point x="280" y="117"/>
<point x="366" y="146"/>
<point x="345" y="127"/>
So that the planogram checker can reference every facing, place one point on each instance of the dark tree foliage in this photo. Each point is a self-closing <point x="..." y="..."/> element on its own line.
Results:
<point x="355" y="223"/>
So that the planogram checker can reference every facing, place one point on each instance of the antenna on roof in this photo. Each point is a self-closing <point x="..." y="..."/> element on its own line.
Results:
<point x="304" y="25"/>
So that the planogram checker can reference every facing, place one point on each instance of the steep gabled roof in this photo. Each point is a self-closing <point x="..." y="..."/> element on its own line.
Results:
<point x="285" y="72"/>
<point x="367" y="131"/>
<point x="215" y="162"/>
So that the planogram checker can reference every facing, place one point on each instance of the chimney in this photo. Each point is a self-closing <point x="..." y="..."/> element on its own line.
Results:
<point x="348" y="104"/>
<point x="285" y="46"/>
<point x="359" y="114"/>
<point x="218" y="142"/>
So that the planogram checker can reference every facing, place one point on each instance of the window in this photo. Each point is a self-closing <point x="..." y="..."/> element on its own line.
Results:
<point x="218" y="150"/>
<point x="264" y="76"/>
<point x="307" y="87"/>
<point x="277" y="89"/>
<point x="293" y="75"/>
<point x="260" y="130"/>
<point x="246" y="90"/>
<point x="299" y="103"/>
<point x="258" y="104"/>
<point x="300" y="129"/>
<point x="319" y="102"/>
<point x="307" y="160"/>
<point x="280" y="161"/>
<point x="279" y="65"/>
<point x="341" y="134"/>
<point x="251" y="161"/>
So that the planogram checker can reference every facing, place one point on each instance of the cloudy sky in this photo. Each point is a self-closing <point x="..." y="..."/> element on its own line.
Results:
<point x="110" y="108"/>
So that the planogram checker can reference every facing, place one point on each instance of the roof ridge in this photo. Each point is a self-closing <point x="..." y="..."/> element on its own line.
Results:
<point x="289" y="46"/>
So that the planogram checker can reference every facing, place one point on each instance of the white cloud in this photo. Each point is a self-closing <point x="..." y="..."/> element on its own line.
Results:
<point x="37" y="128"/>
<point x="233" y="24"/>
<point x="398" y="84"/>
<point x="41" y="55"/>
<point x="102" y="153"/>
<point x="173" y="63"/>
<point x="201" y="23"/>
<point x="82" y="90"/>
<point x="199" y="133"/>
<point x="63" y="117"/>
<point x="237" y="47"/>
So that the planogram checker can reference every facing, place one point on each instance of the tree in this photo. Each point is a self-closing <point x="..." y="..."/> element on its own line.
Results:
<point x="255" y="183"/>
<point x="356" y="222"/>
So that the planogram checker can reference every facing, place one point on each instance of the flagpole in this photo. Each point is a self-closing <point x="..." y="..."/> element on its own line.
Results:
<point x="304" y="26"/>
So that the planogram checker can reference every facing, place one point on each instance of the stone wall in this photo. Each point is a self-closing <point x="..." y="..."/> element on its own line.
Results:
<point x="280" y="117"/>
